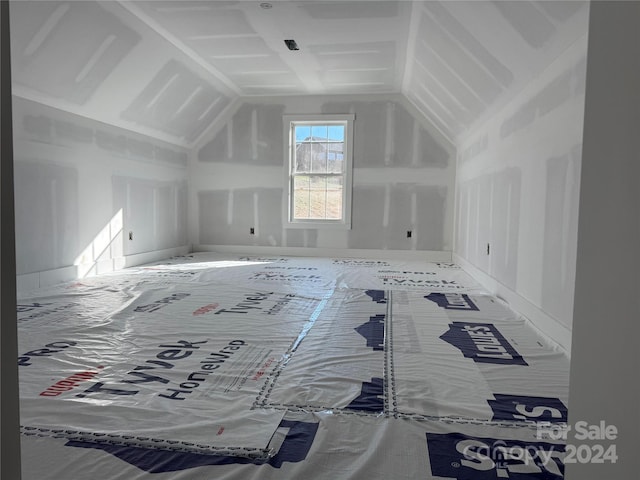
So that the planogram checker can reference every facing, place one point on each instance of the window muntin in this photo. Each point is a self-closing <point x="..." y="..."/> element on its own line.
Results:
<point x="319" y="171"/>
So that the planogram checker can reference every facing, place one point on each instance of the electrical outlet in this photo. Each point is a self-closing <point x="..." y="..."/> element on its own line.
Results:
<point x="409" y="233"/>
<point x="252" y="231"/>
<point x="130" y="235"/>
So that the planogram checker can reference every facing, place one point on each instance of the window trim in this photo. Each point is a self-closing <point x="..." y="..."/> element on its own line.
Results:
<point x="289" y="122"/>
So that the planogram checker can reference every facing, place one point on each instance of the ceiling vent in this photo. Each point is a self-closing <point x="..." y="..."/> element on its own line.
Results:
<point x="291" y="44"/>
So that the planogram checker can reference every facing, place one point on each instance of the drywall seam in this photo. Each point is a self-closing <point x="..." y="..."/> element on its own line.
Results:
<point x="193" y="225"/>
<point x="387" y="206"/>
<point x="414" y="23"/>
<point x="414" y="219"/>
<point x="389" y="146"/>
<point x="424" y="255"/>
<point x="549" y="327"/>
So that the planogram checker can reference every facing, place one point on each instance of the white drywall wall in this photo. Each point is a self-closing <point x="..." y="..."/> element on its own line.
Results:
<point x="604" y="382"/>
<point x="517" y="188"/>
<point x="82" y="186"/>
<point x="403" y="178"/>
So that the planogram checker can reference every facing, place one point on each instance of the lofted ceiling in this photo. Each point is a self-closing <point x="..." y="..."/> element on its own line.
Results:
<point x="169" y="69"/>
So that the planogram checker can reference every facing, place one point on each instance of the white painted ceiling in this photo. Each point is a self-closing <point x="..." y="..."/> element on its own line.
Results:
<point x="169" y="69"/>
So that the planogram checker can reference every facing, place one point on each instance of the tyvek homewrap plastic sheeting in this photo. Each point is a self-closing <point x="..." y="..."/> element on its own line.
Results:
<point x="325" y="446"/>
<point x="154" y="369"/>
<point x="313" y="275"/>
<point x="453" y="353"/>
<point x="319" y="374"/>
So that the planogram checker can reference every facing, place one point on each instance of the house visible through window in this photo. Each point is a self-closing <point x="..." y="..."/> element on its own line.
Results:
<point x="319" y="170"/>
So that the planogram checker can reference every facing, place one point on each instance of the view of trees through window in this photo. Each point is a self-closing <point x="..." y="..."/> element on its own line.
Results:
<point x="318" y="172"/>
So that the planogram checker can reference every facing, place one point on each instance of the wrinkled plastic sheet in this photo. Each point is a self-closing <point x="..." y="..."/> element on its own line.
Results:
<point x="312" y="275"/>
<point x="226" y="366"/>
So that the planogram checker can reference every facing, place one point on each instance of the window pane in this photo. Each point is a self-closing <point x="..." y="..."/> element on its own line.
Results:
<point x="336" y="132"/>
<point x="301" y="197"/>
<point x="317" y="198"/>
<point x="319" y="132"/>
<point x="335" y="157"/>
<point x="319" y="158"/>
<point x="334" y="198"/>
<point x="303" y="148"/>
<point x="303" y="158"/>
<point x="303" y="132"/>
<point x="318" y="204"/>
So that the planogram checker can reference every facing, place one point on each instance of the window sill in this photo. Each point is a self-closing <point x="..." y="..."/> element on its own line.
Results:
<point x="320" y="225"/>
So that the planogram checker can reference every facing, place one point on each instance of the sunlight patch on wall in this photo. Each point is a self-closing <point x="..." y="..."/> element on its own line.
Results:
<point x="105" y="253"/>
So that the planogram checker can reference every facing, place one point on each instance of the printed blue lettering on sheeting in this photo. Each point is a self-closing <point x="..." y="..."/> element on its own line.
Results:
<point x="483" y="343"/>
<point x="373" y="331"/>
<point x="49" y="349"/>
<point x="371" y="397"/>
<point x="453" y="455"/>
<point x="524" y="408"/>
<point x="452" y="301"/>
<point x="377" y="296"/>
<point x="294" y="449"/>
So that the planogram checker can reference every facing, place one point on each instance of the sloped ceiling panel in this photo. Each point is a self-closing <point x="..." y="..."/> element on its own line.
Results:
<point x="66" y="49"/>
<point x="468" y="58"/>
<point x="96" y="60"/>
<point x="530" y="22"/>
<point x="456" y="77"/>
<point x="177" y="102"/>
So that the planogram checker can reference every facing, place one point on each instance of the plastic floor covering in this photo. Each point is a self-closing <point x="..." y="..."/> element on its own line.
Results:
<point x="220" y="366"/>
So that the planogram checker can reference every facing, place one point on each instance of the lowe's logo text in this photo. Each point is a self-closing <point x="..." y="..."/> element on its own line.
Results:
<point x="453" y="455"/>
<point x="483" y="343"/>
<point x="452" y="301"/>
<point x="525" y="408"/>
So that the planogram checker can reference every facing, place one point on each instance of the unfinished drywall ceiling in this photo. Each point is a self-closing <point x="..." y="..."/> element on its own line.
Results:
<point x="468" y="59"/>
<point x="96" y="60"/>
<point x="344" y="47"/>
<point x="170" y="69"/>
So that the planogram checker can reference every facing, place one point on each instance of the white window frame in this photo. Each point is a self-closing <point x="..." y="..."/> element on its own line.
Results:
<point x="290" y="121"/>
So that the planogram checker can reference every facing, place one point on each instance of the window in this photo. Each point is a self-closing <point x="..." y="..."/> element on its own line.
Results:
<point x="319" y="168"/>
